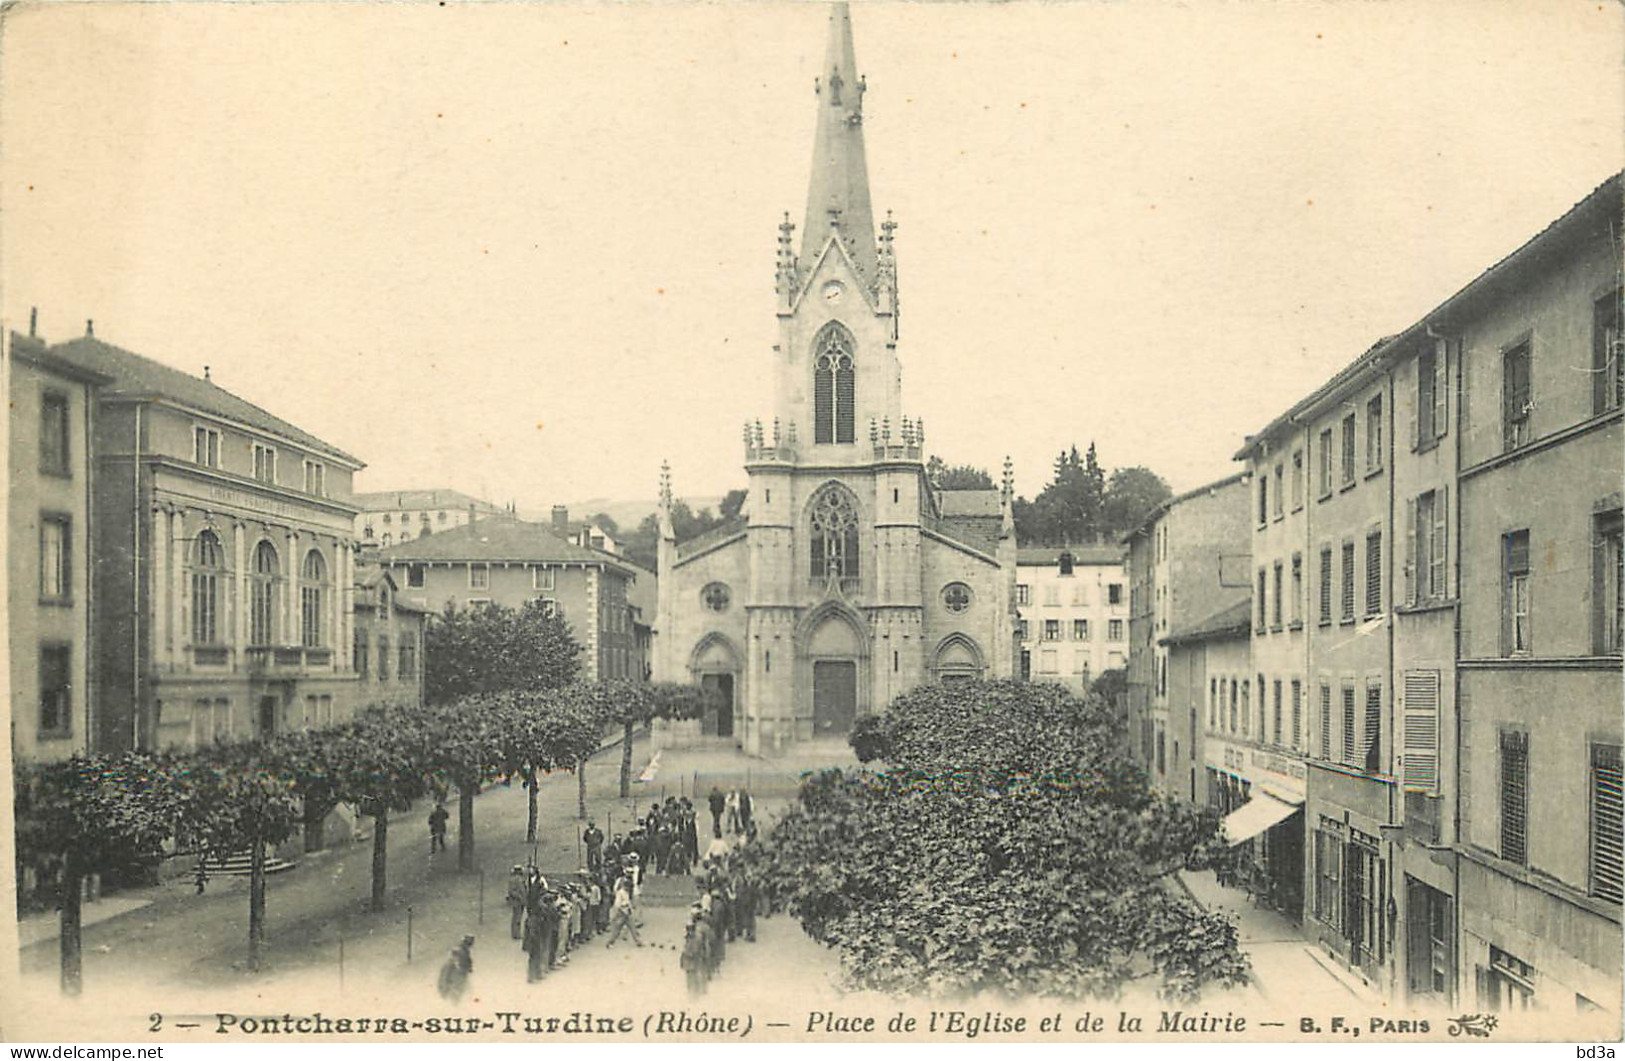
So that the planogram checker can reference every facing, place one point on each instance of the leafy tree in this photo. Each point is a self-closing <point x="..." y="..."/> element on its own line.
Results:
<point x="607" y="523"/>
<point x="731" y="505"/>
<point x="464" y="748"/>
<point x="377" y="763"/>
<point x="492" y="648"/>
<point x="1011" y="846"/>
<point x="957" y="476"/>
<point x="1109" y="685"/>
<point x="541" y="732"/>
<point x="90" y="815"/>
<point x="1131" y="494"/>
<point x="642" y="545"/>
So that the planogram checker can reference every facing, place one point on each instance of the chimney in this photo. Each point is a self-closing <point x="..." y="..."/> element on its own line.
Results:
<point x="90" y="328"/>
<point x="471" y="515"/>
<point x="33" y="320"/>
<point x="561" y="519"/>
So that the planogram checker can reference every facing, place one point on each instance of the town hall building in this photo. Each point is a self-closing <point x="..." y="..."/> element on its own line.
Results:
<point x="849" y="578"/>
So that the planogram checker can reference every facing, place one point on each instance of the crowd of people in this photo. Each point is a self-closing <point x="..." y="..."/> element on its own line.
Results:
<point x="553" y="917"/>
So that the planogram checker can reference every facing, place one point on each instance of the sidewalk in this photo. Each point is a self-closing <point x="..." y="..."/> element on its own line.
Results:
<point x="1286" y="965"/>
<point x="37" y="928"/>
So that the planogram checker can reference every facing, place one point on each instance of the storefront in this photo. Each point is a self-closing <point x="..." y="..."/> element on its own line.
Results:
<point x="1261" y="795"/>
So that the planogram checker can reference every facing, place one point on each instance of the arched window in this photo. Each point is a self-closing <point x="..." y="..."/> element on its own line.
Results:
<point x="313" y="575"/>
<point x="262" y="604"/>
<point x="834" y="386"/>
<point x="206" y="590"/>
<point x="834" y="535"/>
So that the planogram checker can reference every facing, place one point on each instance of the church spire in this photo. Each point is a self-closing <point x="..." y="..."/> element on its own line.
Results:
<point x="838" y="194"/>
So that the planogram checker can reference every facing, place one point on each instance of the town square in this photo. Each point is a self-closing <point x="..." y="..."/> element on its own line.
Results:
<point x="488" y="557"/>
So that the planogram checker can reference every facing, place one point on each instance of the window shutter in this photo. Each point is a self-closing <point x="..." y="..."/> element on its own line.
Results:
<point x="1439" y="580"/>
<point x="1419" y="763"/>
<point x="1441" y="388"/>
<point x="1416" y="406"/>
<point x="1410" y="551"/>
<point x="1371" y="731"/>
<point x="1607" y="823"/>
<point x="1325" y="721"/>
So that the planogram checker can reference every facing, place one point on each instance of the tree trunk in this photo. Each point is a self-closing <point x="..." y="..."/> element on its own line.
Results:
<point x="581" y="789"/>
<point x="465" y="828"/>
<point x="626" y="759"/>
<point x="530" y="820"/>
<point x="71" y="942"/>
<point x="380" y="855"/>
<point x="256" y="903"/>
<point x="315" y="825"/>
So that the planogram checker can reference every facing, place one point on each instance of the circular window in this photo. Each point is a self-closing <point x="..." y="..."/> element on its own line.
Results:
<point x="956" y="597"/>
<point x="716" y="597"/>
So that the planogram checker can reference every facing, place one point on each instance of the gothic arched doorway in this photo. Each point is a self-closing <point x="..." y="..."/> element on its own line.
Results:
<point x="715" y="665"/>
<point x="835" y="644"/>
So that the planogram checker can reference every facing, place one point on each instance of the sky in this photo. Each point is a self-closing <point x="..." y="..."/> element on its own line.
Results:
<point x="526" y="250"/>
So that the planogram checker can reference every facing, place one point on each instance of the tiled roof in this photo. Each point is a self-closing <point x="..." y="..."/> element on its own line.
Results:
<point x="972" y="503"/>
<point x="138" y="376"/>
<point x="1039" y="555"/>
<point x="1156" y="513"/>
<point x="703" y="541"/>
<point x="978" y="532"/>
<point x="445" y="498"/>
<point x="1227" y="622"/>
<point x="499" y="540"/>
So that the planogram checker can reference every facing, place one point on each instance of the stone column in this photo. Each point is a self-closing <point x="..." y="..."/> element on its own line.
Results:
<point x="178" y="605"/>
<point x="239" y="592"/>
<point x="157" y="617"/>
<point x="290" y="590"/>
<point x="346" y="604"/>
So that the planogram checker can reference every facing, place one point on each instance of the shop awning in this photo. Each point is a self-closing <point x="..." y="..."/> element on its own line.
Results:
<point x="1254" y="816"/>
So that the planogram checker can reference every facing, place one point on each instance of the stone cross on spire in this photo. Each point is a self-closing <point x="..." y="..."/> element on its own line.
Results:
<point x="838" y="193"/>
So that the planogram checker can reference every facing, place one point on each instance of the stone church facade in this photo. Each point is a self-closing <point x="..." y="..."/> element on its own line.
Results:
<point x="849" y="578"/>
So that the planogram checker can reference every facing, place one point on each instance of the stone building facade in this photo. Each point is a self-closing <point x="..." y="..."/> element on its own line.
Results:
<point x="50" y="475"/>
<point x="849" y="579"/>
<point x="1072" y="613"/>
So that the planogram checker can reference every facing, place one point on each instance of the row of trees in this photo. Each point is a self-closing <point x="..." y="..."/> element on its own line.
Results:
<point x="1009" y="846"/>
<point x="101" y="814"/>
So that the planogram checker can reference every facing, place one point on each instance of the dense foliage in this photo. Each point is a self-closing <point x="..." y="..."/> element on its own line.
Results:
<point x="642" y="544"/>
<point x="492" y="648"/>
<point x="1009" y="845"/>
<point x="1080" y="505"/>
<point x="957" y="476"/>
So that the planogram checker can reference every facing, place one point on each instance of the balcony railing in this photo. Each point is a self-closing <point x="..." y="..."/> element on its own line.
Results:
<point x="268" y="659"/>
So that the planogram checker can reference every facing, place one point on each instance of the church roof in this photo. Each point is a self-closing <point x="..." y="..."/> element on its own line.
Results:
<point x="977" y="532"/>
<point x="986" y="503"/>
<point x="840" y="170"/>
<point x="716" y="535"/>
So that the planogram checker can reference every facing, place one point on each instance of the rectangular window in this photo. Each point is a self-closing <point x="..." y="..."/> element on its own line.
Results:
<point x="1080" y="662"/>
<point x="1608" y="586"/>
<point x="1326" y="463"/>
<point x="55" y="457"/>
<point x="1325" y="721"/>
<point x="1263" y="498"/>
<point x="1373" y="434"/>
<point x="55" y="558"/>
<point x="1024" y="593"/>
<point x="1426" y="555"/>
<point x="1297" y="713"/>
<point x="1263" y="601"/>
<point x="1514" y="796"/>
<point x="1371" y="732"/>
<point x="1233" y="709"/>
<point x="1432" y="395"/>
<point x="264" y="463"/>
<point x="414" y="576"/>
<point x="1049" y="661"/>
<point x="1275" y="609"/>
<point x="1349" y="449"/>
<point x="479" y="577"/>
<point x="1607" y="824"/>
<point x="1114" y="629"/>
<point x="1275" y="714"/>
<point x="1280" y="491"/>
<point x="1297" y="588"/>
<point x="362" y="644"/>
<point x="383" y="659"/>
<point x="1419" y="759"/>
<point x="1515" y="593"/>
<point x="1023" y="631"/>
<point x="1351" y="749"/>
<point x="1297" y="479"/>
<point x="1052" y="629"/>
<point x="1373" y="573"/>
<point x="1325" y="585"/>
<point x="1348" y="582"/>
<point x="1052" y="596"/>
<point x="1114" y="593"/>
<point x="409" y="659"/>
<point x="1080" y="629"/>
<point x="542" y="578"/>
<point x="206" y="447"/>
<point x="1328" y="877"/>
<point x="1515" y="397"/>
<point x="1246" y="707"/>
<point x="316" y="478"/>
<point x="1608" y="352"/>
<point x="55" y="690"/>
<point x="1212" y="703"/>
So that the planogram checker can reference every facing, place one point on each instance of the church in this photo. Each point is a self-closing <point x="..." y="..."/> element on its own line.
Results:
<point x="849" y="578"/>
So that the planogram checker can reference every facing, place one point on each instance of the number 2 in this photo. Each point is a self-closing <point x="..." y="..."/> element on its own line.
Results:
<point x="157" y="1021"/>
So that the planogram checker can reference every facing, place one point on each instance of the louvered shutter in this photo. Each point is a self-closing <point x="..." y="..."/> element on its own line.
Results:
<point x="1410" y="551"/>
<point x="1441" y="388"/>
<point x="1607" y="876"/>
<point x="1439" y="575"/>
<point x="1419" y="764"/>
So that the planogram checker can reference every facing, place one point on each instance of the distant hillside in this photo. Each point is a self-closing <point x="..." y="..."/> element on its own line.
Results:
<point x="626" y="514"/>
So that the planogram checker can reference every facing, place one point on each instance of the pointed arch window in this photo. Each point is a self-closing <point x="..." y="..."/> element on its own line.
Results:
<point x="313" y="578"/>
<point x="834" y="386"/>
<point x="262" y="605"/>
<point x="206" y="564"/>
<point x="835" y="536"/>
